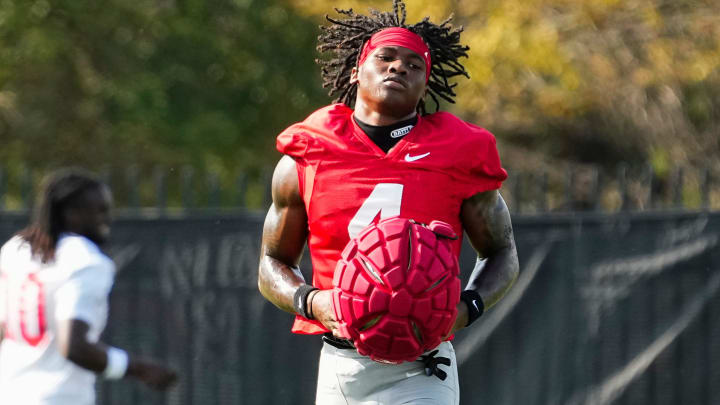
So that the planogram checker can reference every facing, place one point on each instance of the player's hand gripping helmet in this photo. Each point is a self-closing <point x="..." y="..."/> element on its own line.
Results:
<point x="396" y="289"/>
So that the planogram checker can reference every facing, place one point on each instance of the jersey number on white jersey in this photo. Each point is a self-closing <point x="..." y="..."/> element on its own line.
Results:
<point x="25" y="310"/>
<point x="385" y="199"/>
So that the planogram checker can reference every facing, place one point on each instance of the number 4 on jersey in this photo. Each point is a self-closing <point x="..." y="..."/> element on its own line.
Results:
<point x="385" y="200"/>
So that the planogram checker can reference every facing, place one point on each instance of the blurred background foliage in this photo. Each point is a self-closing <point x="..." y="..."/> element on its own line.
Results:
<point x="208" y="84"/>
<point x="106" y="85"/>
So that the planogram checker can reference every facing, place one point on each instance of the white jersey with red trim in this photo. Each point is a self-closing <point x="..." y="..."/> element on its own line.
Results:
<point x="34" y="299"/>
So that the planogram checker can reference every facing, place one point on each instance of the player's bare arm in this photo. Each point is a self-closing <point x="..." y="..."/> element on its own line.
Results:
<point x="486" y="220"/>
<point x="73" y="345"/>
<point x="283" y="239"/>
<point x="284" y="236"/>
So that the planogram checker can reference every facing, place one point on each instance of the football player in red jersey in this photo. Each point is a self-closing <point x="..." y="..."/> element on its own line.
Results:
<point x="374" y="154"/>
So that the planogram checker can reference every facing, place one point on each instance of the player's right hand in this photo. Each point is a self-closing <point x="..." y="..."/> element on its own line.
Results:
<point x="155" y="375"/>
<point x="323" y="312"/>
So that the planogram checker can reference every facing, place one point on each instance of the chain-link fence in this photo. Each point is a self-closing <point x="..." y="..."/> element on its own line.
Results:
<point x="169" y="190"/>
<point x="608" y="309"/>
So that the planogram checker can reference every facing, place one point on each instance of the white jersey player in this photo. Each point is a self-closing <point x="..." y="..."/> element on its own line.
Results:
<point x="54" y="287"/>
<point x="39" y="298"/>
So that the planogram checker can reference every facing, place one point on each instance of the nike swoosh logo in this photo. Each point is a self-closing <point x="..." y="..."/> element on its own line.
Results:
<point x="476" y="306"/>
<point x="409" y="158"/>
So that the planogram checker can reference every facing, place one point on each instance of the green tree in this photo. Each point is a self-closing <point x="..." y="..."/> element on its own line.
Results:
<point x="187" y="82"/>
<point x="210" y="83"/>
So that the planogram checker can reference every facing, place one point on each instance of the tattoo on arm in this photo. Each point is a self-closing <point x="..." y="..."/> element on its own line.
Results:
<point x="486" y="220"/>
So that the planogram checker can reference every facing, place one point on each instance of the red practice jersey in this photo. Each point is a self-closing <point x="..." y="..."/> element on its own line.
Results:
<point x="347" y="182"/>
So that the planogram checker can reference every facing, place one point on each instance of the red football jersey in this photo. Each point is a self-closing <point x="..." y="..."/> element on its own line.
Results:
<point x="347" y="182"/>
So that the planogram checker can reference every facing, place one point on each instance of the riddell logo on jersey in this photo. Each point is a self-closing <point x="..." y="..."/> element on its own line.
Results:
<point x="401" y="131"/>
<point x="409" y="158"/>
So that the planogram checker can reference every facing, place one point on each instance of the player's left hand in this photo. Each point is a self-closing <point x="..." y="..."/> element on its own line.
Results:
<point x="155" y="375"/>
<point x="323" y="312"/>
<point x="461" y="319"/>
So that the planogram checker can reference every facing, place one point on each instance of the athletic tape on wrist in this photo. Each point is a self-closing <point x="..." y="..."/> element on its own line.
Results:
<point x="117" y="364"/>
<point x="475" y="305"/>
<point x="300" y="300"/>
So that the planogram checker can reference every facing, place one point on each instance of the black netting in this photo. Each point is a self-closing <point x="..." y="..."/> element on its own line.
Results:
<point x="617" y="309"/>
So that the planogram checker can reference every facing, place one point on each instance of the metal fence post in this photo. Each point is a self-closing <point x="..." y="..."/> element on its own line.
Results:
<point x="186" y="174"/>
<point x="569" y="184"/>
<point x="542" y="186"/>
<point x="517" y="192"/>
<point x="26" y="188"/>
<point x="705" y="188"/>
<point x="649" y="175"/>
<point x="266" y="185"/>
<point x="2" y="189"/>
<point x="676" y="187"/>
<point x="131" y="180"/>
<point x="241" y="190"/>
<point x="213" y="190"/>
<point x="596" y="183"/>
<point x="622" y="186"/>
<point x="160" y="189"/>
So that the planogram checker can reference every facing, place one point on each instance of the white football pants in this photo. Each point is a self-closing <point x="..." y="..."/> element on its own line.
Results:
<point x="347" y="378"/>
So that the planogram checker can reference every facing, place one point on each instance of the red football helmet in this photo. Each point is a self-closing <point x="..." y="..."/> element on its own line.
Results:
<point x="396" y="289"/>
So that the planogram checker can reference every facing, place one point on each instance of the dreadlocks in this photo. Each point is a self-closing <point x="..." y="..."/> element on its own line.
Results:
<point x="344" y="39"/>
<point x="60" y="190"/>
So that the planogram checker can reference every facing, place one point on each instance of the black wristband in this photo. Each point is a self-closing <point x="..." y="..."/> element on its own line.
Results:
<point x="300" y="300"/>
<point x="475" y="305"/>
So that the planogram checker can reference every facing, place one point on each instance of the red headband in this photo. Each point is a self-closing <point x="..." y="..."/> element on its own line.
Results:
<point x="397" y="36"/>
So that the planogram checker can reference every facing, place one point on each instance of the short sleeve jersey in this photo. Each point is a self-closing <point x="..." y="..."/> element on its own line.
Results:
<point x="36" y="298"/>
<point x="347" y="182"/>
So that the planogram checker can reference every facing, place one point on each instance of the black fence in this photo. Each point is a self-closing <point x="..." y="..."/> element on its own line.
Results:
<point x="608" y="309"/>
<point x="571" y="189"/>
